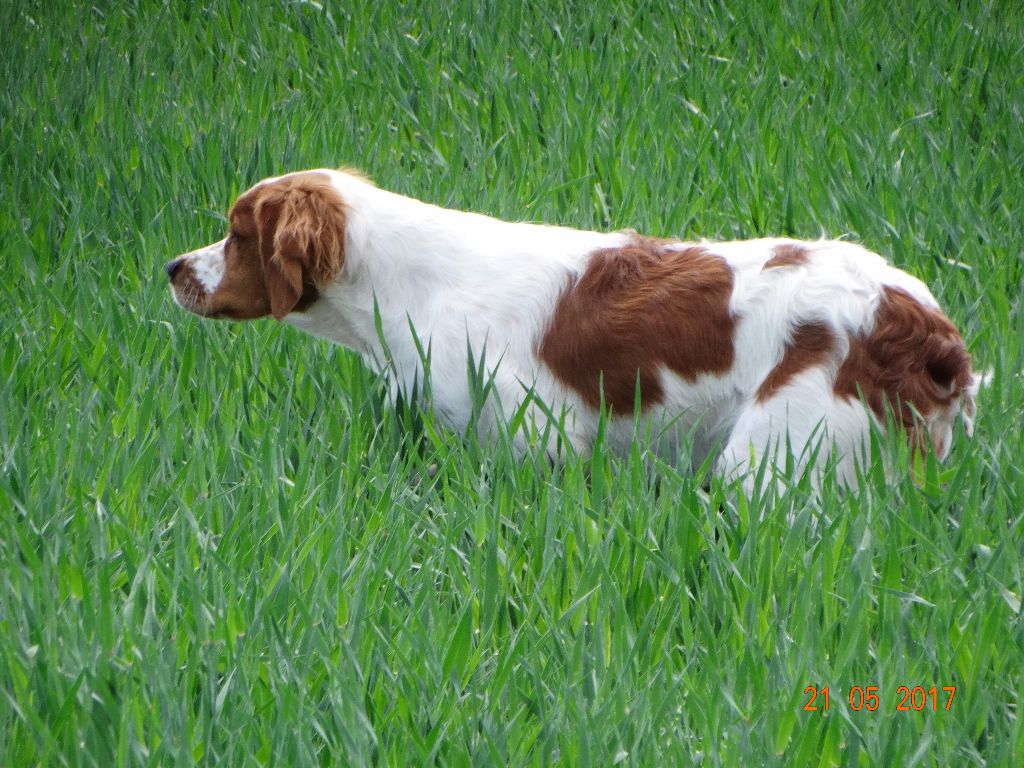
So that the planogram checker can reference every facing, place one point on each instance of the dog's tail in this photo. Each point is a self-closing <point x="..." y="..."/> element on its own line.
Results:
<point x="916" y="362"/>
<point x="940" y="382"/>
<point x="968" y="408"/>
<point x="946" y="388"/>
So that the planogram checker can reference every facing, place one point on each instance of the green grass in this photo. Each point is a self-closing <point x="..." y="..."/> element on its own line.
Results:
<point x="220" y="545"/>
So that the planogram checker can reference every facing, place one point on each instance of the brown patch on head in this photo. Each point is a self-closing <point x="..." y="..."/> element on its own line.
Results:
<point x="287" y="240"/>
<point x="635" y="310"/>
<point x="296" y="228"/>
<point x="786" y="255"/>
<point x="809" y="345"/>
<point x="914" y="359"/>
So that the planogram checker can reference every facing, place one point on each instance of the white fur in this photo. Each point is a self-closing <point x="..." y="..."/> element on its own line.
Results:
<point x="462" y="278"/>
<point x="208" y="265"/>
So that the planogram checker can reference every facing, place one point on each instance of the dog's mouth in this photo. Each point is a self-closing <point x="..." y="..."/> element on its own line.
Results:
<point x="190" y="296"/>
<point x="195" y="301"/>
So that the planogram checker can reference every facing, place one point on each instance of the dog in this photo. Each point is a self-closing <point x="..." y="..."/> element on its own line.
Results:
<point x="752" y="350"/>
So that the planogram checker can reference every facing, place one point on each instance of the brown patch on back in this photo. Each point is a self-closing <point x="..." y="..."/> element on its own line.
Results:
<point x="914" y="359"/>
<point x="787" y="255"/>
<point x="287" y="240"/>
<point x="809" y="345"/>
<point x="635" y="310"/>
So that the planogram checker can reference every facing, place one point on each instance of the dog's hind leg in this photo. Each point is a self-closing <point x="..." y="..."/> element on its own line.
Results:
<point x="801" y="425"/>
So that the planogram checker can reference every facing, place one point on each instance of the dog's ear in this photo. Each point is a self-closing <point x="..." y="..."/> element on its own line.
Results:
<point x="301" y="226"/>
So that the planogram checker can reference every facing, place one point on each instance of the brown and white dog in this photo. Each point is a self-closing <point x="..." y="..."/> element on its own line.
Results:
<point x="747" y="347"/>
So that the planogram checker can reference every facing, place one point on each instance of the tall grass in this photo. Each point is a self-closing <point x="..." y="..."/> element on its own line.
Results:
<point x="221" y="545"/>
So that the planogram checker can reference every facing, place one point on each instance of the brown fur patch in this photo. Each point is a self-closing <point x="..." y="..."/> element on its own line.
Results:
<point x="638" y="309"/>
<point x="809" y="345"/>
<point x="787" y="255"/>
<point x="913" y="359"/>
<point x="287" y="240"/>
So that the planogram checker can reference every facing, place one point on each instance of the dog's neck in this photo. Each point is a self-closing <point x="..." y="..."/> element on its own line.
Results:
<point x="448" y="276"/>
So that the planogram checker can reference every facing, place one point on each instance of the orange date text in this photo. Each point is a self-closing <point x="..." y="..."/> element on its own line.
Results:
<point x="907" y="698"/>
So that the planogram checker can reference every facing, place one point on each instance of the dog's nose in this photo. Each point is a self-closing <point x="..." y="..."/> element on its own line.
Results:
<point x="173" y="267"/>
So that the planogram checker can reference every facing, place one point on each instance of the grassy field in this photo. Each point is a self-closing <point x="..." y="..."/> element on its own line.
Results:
<point x="220" y="545"/>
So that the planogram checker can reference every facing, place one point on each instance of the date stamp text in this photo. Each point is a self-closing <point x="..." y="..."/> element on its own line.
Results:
<point x="907" y="698"/>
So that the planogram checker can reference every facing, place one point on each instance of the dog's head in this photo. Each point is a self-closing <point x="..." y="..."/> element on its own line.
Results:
<point x="285" y="243"/>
